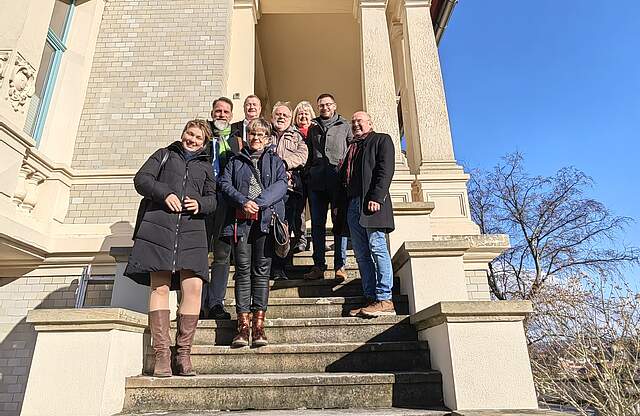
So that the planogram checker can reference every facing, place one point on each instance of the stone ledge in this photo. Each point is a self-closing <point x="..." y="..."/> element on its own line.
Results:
<point x="93" y="319"/>
<point x="235" y="381"/>
<point x="471" y="311"/>
<point x="413" y="208"/>
<point x="508" y="413"/>
<point x="416" y="249"/>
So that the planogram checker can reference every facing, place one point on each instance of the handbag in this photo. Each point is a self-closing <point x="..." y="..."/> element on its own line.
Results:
<point x="281" y="236"/>
<point x="144" y="203"/>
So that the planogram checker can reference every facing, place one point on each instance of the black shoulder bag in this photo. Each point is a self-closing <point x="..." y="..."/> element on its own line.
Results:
<point x="144" y="203"/>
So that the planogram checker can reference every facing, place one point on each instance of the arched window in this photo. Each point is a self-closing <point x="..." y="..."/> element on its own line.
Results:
<point x="54" y="47"/>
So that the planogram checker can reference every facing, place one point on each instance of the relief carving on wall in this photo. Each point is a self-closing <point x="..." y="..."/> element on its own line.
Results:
<point x="22" y="83"/>
<point x="4" y="59"/>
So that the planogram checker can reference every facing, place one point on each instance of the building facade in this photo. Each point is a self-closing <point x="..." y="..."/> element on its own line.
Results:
<point x="90" y="88"/>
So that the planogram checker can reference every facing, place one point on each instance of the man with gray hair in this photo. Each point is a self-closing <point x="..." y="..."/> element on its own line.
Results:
<point x="222" y="147"/>
<point x="366" y="173"/>
<point x="292" y="149"/>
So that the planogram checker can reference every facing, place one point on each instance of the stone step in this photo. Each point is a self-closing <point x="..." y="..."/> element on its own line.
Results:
<point x="308" y="358"/>
<point x="284" y="391"/>
<point x="312" y="330"/>
<point x="300" y="288"/>
<point x="392" y="411"/>
<point x="318" y="307"/>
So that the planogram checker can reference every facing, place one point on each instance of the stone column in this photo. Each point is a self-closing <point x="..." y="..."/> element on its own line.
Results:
<point x="378" y="87"/>
<point x="439" y="178"/>
<point x="242" y="67"/>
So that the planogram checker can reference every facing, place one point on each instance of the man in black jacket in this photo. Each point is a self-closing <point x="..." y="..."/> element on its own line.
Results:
<point x="252" y="109"/>
<point x="223" y="146"/>
<point x="327" y="141"/>
<point x="366" y="173"/>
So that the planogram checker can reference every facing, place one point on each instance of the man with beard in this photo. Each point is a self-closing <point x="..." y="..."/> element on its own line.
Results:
<point x="222" y="147"/>
<point x="252" y="110"/>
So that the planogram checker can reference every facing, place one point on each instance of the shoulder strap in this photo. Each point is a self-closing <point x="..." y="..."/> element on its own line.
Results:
<point x="165" y="157"/>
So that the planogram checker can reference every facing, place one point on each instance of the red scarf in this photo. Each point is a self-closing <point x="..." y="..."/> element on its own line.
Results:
<point x="304" y="131"/>
<point x="355" y="146"/>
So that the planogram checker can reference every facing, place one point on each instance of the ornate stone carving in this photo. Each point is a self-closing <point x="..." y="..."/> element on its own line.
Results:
<point x="26" y="193"/>
<point x="4" y="59"/>
<point x="22" y="83"/>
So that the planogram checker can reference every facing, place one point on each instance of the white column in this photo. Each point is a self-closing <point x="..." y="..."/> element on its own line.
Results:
<point x="430" y="149"/>
<point x="378" y="87"/>
<point x="242" y="66"/>
<point x="425" y="85"/>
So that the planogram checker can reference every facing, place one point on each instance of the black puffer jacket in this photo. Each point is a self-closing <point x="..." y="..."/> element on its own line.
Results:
<point x="168" y="241"/>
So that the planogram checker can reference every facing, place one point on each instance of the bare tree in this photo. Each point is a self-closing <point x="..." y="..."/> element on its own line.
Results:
<point x="567" y="258"/>
<point x="555" y="229"/>
<point x="589" y="356"/>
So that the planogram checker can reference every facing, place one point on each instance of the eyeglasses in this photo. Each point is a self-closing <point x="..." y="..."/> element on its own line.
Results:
<point x="257" y="135"/>
<point x="326" y="105"/>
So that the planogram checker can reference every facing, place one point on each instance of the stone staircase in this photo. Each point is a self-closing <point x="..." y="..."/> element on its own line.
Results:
<point x="316" y="358"/>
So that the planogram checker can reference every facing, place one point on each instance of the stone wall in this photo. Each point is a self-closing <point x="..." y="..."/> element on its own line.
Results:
<point x="477" y="285"/>
<point x="157" y="64"/>
<point x="102" y="203"/>
<point x="17" y="338"/>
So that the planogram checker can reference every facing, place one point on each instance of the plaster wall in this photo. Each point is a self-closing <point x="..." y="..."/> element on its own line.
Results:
<point x="304" y="55"/>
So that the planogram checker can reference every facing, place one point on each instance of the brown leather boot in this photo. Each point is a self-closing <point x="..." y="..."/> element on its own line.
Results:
<point x="242" y="337"/>
<point x="159" y="327"/>
<point x="259" y="339"/>
<point x="184" y="339"/>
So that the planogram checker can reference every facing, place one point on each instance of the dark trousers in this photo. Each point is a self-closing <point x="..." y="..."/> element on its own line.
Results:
<point x="320" y="202"/>
<point x="293" y="203"/>
<point x="213" y="293"/>
<point x="252" y="256"/>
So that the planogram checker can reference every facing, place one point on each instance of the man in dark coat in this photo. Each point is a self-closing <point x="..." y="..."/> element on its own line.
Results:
<point x="327" y="141"/>
<point x="366" y="173"/>
<point x="225" y="144"/>
<point x="252" y="109"/>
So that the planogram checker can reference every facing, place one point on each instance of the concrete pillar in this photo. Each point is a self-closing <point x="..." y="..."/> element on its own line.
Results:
<point x="24" y="30"/>
<point x="425" y="85"/>
<point x="439" y="179"/>
<point x="378" y="87"/>
<point x="242" y="57"/>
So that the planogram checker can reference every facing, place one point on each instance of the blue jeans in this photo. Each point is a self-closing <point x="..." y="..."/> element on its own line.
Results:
<point x="319" y="202"/>
<point x="372" y="255"/>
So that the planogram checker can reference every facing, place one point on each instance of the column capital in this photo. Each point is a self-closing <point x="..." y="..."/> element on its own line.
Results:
<point x="254" y="5"/>
<point x="417" y="3"/>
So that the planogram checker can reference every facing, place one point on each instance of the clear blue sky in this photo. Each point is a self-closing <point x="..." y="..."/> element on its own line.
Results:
<point x="558" y="81"/>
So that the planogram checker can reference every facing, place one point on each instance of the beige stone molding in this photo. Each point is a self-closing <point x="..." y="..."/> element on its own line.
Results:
<point x="422" y="249"/>
<point x="254" y="5"/>
<point x="417" y="3"/>
<point x="471" y="311"/>
<point x="93" y="319"/>
<point x="412" y="208"/>
<point x="305" y="6"/>
<point x="22" y="84"/>
<point x="483" y="248"/>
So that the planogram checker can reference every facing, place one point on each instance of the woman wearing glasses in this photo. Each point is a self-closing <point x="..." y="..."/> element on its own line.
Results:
<point x="254" y="183"/>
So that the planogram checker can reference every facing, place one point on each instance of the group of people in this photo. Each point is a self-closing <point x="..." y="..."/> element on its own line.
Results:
<point x="220" y="189"/>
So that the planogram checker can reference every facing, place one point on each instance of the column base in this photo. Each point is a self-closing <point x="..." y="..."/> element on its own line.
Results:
<point x="481" y="350"/>
<point x="445" y="184"/>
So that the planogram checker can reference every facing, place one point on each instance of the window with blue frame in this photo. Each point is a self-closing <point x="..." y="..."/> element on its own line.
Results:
<point x="54" y="48"/>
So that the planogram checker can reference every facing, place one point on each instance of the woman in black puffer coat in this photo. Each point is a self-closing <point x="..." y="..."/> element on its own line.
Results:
<point x="170" y="245"/>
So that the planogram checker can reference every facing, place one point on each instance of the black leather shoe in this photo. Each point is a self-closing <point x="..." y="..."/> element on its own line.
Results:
<point x="280" y="276"/>
<point x="218" y="312"/>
